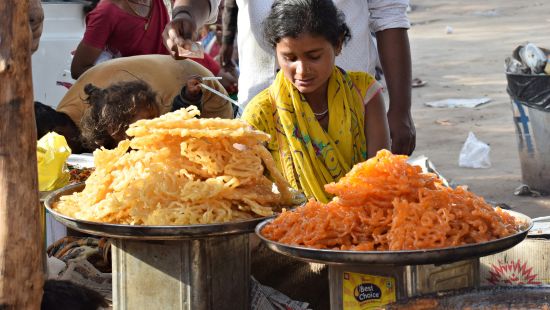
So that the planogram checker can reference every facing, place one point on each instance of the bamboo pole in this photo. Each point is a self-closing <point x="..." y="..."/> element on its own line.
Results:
<point x="21" y="242"/>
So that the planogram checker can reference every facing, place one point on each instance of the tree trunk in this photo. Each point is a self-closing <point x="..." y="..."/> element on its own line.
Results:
<point x="21" y="241"/>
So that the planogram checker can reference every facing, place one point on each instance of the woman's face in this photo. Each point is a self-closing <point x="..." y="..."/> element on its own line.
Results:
<point x="307" y="61"/>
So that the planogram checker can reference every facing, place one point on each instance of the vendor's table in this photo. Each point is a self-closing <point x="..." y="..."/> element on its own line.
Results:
<point x="372" y="279"/>
<point x="173" y="267"/>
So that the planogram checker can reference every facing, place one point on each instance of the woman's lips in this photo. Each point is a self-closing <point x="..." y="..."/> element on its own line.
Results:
<point x="304" y="82"/>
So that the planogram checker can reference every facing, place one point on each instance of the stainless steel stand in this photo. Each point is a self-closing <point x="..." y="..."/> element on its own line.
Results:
<point x="402" y="282"/>
<point x="209" y="273"/>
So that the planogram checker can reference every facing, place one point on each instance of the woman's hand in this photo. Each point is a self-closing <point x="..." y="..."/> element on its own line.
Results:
<point x="193" y="90"/>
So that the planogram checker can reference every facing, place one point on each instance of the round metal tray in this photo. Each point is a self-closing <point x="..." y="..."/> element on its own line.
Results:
<point x="400" y="258"/>
<point x="143" y="232"/>
<point x="499" y="297"/>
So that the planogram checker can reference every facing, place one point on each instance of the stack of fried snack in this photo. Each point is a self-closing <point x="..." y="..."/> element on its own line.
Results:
<point x="387" y="204"/>
<point x="178" y="170"/>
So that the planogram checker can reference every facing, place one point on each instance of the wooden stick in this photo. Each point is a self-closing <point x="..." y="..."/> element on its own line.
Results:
<point x="21" y="241"/>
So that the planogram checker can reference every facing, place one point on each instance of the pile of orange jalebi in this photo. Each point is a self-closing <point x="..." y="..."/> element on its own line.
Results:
<point x="387" y="204"/>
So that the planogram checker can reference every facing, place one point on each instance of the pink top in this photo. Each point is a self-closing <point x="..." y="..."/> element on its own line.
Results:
<point x="124" y="34"/>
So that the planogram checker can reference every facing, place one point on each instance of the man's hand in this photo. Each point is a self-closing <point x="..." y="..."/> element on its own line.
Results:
<point x="180" y="31"/>
<point x="402" y="132"/>
<point x="187" y="17"/>
<point x="226" y="56"/>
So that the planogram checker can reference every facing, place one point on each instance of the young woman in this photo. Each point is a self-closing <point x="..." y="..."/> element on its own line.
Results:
<point x="322" y="119"/>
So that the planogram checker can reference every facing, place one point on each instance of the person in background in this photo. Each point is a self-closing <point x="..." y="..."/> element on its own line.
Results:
<point x="211" y="40"/>
<point x="36" y="21"/>
<point x="167" y="77"/>
<point x="386" y="18"/>
<point x="113" y="109"/>
<point x="122" y="28"/>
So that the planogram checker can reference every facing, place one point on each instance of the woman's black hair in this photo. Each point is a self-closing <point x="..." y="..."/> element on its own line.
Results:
<point x="290" y="18"/>
<point x="48" y="119"/>
<point x="112" y="109"/>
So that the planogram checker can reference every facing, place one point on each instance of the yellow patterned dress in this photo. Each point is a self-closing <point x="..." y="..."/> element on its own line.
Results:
<point x="309" y="156"/>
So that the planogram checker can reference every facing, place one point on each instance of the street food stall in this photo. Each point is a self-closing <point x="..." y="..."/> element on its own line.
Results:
<point x="180" y="198"/>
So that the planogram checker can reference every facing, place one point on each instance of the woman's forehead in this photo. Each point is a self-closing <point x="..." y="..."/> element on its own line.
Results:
<point x="305" y="42"/>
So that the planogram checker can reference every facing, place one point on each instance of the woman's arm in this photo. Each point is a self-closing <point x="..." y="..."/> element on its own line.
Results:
<point x="376" y="126"/>
<point x="84" y="58"/>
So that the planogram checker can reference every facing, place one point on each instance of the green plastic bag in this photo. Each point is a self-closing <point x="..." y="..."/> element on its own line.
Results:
<point x="52" y="152"/>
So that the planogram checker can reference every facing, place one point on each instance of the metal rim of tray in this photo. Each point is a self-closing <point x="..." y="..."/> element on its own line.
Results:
<point x="400" y="258"/>
<point x="144" y="232"/>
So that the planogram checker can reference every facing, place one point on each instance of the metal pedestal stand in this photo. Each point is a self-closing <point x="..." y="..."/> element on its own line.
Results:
<point x="373" y="286"/>
<point x="208" y="273"/>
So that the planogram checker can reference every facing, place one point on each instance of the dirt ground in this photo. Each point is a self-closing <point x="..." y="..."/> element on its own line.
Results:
<point x="469" y="63"/>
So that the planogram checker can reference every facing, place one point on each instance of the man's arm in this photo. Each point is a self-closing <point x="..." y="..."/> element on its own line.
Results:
<point x="388" y="19"/>
<point x="395" y="57"/>
<point x="229" y="29"/>
<point x="187" y="17"/>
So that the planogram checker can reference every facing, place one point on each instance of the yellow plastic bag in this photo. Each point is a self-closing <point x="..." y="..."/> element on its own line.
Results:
<point x="52" y="152"/>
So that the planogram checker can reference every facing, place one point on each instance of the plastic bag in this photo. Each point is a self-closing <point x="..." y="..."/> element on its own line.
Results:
<point x="474" y="153"/>
<point x="524" y="86"/>
<point x="52" y="151"/>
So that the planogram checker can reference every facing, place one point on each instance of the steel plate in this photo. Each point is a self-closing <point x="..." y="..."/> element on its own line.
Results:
<point x="401" y="258"/>
<point x="143" y="232"/>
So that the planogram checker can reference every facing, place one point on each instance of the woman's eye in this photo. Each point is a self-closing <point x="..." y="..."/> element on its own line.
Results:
<point x="314" y="57"/>
<point x="289" y="58"/>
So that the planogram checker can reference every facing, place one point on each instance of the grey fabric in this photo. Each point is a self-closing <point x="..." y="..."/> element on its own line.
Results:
<point x="298" y="280"/>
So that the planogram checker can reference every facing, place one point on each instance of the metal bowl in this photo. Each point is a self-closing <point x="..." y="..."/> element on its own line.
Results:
<point x="143" y="232"/>
<point x="401" y="258"/>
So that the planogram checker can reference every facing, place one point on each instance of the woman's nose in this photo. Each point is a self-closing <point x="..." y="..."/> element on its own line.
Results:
<point x="300" y="68"/>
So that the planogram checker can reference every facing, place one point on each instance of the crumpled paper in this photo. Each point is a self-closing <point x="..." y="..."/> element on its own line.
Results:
<point x="458" y="103"/>
<point x="52" y="152"/>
